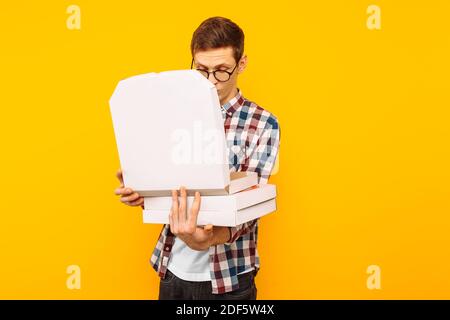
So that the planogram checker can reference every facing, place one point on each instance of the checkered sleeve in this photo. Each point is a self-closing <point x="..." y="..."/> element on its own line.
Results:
<point x="263" y="157"/>
<point x="262" y="161"/>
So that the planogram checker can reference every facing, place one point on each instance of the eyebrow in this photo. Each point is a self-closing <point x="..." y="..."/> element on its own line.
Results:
<point x="215" y="67"/>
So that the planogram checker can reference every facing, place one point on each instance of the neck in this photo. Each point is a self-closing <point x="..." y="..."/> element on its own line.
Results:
<point x="232" y="94"/>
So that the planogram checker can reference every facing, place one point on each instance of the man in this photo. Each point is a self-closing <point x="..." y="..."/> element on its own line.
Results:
<point x="216" y="262"/>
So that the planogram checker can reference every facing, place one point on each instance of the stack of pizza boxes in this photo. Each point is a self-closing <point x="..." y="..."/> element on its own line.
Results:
<point x="170" y="132"/>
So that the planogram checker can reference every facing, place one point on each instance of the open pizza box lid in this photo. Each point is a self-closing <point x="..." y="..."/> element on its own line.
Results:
<point x="169" y="132"/>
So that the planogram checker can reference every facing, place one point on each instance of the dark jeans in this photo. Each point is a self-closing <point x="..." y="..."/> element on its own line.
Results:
<point x="174" y="288"/>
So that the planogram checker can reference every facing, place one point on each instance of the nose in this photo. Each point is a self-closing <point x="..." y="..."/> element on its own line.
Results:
<point x="212" y="79"/>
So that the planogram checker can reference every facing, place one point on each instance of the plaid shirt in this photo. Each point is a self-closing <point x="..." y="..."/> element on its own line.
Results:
<point x="253" y="136"/>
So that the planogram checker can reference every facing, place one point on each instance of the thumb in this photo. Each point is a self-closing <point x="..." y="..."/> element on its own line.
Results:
<point x="119" y="175"/>
<point x="208" y="228"/>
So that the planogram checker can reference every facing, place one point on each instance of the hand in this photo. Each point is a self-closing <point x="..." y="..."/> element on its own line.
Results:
<point x="185" y="228"/>
<point x="128" y="196"/>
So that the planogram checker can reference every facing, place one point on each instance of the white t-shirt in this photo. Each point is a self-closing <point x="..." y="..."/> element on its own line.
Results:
<point x="189" y="264"/>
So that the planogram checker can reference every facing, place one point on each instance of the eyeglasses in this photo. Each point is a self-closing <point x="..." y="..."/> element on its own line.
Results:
<point x="220" y="75"/>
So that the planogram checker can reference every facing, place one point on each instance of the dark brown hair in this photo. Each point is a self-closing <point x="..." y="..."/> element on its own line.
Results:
<point x="218" y="32"/>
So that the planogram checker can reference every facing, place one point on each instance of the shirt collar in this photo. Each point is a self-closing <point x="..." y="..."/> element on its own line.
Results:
<point x="233" y="104"/>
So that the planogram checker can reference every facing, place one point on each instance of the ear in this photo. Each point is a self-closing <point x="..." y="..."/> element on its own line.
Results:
<point x="242" y="63"/>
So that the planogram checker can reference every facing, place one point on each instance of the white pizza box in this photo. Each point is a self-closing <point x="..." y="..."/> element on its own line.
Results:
<point x="228" y="210"/>
<point x="169" y="132"/>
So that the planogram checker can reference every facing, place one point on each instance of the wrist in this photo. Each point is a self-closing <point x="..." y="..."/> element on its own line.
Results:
<point x="194" y="244"/>
<point x="221" y="235"/>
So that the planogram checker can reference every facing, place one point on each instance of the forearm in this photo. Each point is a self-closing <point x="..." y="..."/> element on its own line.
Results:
<point x="240" y="230"/>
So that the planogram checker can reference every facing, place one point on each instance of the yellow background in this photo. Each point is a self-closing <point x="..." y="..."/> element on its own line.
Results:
<point x="364" y="161"/>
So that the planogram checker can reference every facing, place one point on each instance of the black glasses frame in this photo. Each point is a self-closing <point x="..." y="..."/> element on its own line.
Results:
<point x="214" y="72"/>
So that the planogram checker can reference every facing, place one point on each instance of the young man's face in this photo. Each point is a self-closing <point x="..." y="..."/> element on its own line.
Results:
<point x="221" y="59"/>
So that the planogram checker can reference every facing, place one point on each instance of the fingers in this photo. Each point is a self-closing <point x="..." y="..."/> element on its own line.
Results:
<point x="128" y="198"/>
<point x="195" y="209"/>
<point x="132" y="198"/>
<point x="123" y="191"/>
<point x="182" y="209"/>
<point x="137" y="202"/>
<point x="171" y="221"/>
<point x="208" y="227"/>
<point x="174" y="211"/>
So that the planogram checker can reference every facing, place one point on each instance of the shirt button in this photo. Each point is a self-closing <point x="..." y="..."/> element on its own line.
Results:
<point x="167" y="248"/>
